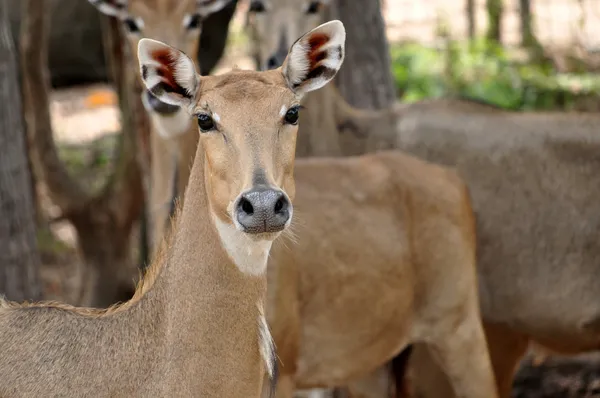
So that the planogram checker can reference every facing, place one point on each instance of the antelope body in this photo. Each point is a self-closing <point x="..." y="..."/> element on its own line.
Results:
<point x="531" y="177"/>
<point x="195" y="326"/>
<point x="383" y="256"/>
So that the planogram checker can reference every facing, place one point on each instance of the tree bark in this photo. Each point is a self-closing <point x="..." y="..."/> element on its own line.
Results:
<point x="365" y="80"/>
<point x="494" y="11"/>
<point x="103" y="222"/>
<point x="471" y="21"/>
<point x="19" y="258"/>
<point x="527" y="38"/>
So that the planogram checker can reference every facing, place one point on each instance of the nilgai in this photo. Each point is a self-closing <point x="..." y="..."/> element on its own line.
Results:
<point x="173" y="136"/>
<point x="195" y="327"/>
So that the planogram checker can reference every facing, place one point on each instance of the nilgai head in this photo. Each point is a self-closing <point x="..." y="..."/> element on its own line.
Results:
<point x="247" y="122"/>
<point x="275" y="24"/>
<point x="177" y="22"/>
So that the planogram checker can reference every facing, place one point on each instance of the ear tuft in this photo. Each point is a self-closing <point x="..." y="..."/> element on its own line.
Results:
<point x="315" y="58"/>
<point x="113" y="8"/>
<point x="207" y="7"/>
<point x="167" y="73"/>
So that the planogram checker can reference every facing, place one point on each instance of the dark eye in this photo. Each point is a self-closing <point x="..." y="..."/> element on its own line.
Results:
<point x="205" y="122"/>
<point x="314" y="7"/>
<point x="192" y="22"/>
<point x="291" y="116"/>
<point x="257" y="6"/>
<point x="132" y="25"/>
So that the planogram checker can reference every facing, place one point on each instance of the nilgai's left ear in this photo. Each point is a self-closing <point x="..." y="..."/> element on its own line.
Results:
<point x="207" y="7"/>
<point x="315" y="58"/>
<point x="168" y="73"/>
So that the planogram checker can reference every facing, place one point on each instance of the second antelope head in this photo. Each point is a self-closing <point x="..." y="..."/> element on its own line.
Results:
<point x="274" y="25"/>
<point x="177" y="22"/>
<point x="247" y="122"/>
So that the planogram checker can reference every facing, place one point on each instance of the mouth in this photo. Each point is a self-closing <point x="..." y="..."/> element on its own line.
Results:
<point x="158" y="106"/>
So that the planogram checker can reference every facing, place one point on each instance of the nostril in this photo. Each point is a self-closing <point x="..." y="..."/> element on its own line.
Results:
<point x="279" y="205"/>
<point x="272" y="63"/>
<point x="246" y="206"/>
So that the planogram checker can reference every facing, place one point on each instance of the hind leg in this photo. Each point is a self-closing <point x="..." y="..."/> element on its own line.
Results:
<point x="506" y="349"/>
<point x="458" y="345"/>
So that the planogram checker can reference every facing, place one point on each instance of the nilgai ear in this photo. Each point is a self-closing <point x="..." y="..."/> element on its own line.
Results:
<point x="114" y="8"/>
<point x="168" y="73"/>
<point x="207" y="7"/>
<point x="315" y="58"/>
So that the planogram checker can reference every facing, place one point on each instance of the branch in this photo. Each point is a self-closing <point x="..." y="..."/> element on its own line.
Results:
<point x="63" y="190"/>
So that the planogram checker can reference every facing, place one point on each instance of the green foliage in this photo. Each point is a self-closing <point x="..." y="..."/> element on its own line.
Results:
<point x="485" y="71"/>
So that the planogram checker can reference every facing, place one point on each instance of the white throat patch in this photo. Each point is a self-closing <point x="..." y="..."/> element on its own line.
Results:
<point x="250" y="256"/>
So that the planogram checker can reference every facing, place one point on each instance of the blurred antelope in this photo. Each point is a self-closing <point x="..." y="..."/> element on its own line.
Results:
<point x="195" y="327"/>
<point x="533" y="179"/>
<point x="173" y="138"/>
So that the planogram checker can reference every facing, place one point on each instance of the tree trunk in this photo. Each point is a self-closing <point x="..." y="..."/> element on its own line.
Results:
<point x="365" y="79"/>
<point x="472" y="23"/>
<point x="103" y="222"/>
<point x="494" y="11"/>
<point x="527" y="38"/>
<point x="19" y="258"/>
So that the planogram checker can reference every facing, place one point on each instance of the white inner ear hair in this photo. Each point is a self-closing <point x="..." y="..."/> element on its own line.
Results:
<point x="298" y="64"/>
<point x="185" y="73"/>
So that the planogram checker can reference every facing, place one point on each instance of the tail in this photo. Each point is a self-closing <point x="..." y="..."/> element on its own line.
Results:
<point x="399" y="366"/>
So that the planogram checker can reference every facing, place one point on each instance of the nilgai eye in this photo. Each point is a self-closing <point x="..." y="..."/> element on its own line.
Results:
<point x="291" y="116"/>
<point x="132" y="25"/>
<point x="192" y="22"/>
<point x="205" y="122"/>
<point x="257" y="6"/>
<point x="314" y="7"/>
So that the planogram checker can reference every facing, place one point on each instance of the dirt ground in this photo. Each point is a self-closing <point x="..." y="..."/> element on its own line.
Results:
<point x="84" y="115"/>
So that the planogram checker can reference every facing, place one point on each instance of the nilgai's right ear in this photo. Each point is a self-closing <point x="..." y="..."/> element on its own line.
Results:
<point x="168" y="73"/>
<point x="114" y="8"/>
<point x="315" y="58"/>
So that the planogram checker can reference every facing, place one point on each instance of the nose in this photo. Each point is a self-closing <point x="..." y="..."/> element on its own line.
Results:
<point x="263" y="210"/>
<point x="158" y="106"/>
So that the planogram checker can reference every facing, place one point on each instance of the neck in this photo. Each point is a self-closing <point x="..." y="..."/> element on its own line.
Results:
<point x="215" y="304"/>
